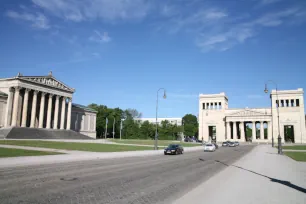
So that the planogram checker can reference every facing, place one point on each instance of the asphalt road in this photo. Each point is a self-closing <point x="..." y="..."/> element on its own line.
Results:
<point x="154" y="179"/>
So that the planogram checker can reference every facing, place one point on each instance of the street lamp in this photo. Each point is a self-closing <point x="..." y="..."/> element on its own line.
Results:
<point x="279" y="137"/>
<point x="156" y="130"/>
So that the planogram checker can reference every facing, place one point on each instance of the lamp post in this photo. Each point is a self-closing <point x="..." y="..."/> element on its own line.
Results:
<point x="156" y="130"/>
<point x="279" y="137"/>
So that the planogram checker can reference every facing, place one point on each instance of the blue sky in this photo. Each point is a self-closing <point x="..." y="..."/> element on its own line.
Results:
<point x="119" y="52"/>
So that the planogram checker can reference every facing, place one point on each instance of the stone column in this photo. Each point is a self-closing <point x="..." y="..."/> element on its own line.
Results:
<point x="63" y="113"/>
<point x="83" y="122"/>
<point x="234" y="130"/>
<point x="49" y="111"/>
<point x="15" y="106"/>
<point x="242" y="133"/>
<point x="42" y="110"/>
<point x="9" y="106"/>
<point x="25" y="108"/>
<point x="69" y="114"/>
<point x="33" y="112"/>
<point x="228" y="130"/>
<point x="269" y="131"/>
<point x="262" y="131"/>
<point x="55" y="125"/>
<point x="254" y="131"/>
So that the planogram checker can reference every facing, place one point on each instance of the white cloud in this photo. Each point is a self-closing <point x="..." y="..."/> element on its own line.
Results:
<point x="108" y="10"/>
<point x="100" y="38"/>
<point x="37" y="20"/>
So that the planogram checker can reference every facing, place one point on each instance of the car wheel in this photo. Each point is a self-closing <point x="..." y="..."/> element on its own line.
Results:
<point x="182" y="152"/>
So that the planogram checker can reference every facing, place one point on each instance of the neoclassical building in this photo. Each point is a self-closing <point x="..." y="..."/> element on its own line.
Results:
<point x="220" y="123"/>
<point x="43" y="102"/>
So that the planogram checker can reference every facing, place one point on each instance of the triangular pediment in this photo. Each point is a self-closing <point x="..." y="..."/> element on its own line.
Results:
<point x="47" y="81"/>
<point x="248" y="113"/>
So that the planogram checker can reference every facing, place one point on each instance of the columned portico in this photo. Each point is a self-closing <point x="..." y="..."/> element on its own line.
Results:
<point x="43" y="102"/>
<point x="30" y="99"/>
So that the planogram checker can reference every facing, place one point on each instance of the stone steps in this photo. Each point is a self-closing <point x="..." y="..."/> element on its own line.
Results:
<point x="35" y="133"/>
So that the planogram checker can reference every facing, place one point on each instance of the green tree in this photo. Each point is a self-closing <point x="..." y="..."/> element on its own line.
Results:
<point x="190" y="123"/>
<point x="147" y="130"/>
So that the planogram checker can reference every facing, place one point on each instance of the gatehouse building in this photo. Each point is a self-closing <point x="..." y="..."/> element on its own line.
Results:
<point x="218" y="122"/>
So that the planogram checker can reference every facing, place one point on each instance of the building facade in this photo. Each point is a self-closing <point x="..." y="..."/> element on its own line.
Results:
<point x="219" y="123"/>
<point x="173" y="121"/>
<point x="43" y="102"/>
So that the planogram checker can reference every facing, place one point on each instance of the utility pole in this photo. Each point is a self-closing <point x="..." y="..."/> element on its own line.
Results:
<point x="120" y="128"/>
<point x="114" y="128"/>
<point x="106" y="122"/>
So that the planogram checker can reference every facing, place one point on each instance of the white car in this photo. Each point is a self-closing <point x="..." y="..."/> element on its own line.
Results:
<point x="209" y="148"/>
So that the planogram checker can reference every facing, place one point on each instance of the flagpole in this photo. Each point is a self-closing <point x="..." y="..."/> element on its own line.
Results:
<point x="106" y="127"/>
<point x="114" y="128"/>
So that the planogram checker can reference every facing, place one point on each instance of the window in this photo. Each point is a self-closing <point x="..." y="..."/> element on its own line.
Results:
<point x="220" y="105"/>
<point x="297" y="102"/>
<point x="287" y="103"/>
<point x="207" y="106"/>
<point x="277" y="103"/>
<point x="212" y="106"/>
<point x="282" y="103"/>
<point x="292" y="103"/>
<point x="216" y="106"/>
<point x="203" y="106"/>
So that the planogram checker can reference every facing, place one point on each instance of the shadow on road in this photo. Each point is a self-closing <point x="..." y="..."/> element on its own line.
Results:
<point x="286" y="183"/>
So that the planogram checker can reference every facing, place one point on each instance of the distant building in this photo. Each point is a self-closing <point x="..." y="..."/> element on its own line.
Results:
<point x="173" y="121"/>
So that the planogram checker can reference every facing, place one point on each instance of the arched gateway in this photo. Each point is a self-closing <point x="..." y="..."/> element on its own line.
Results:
<point x="219" y="123"/>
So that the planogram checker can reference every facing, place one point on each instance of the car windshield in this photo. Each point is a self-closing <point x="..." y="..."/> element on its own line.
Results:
<point x="171" y="146"/>
<point x="209" y="145"/>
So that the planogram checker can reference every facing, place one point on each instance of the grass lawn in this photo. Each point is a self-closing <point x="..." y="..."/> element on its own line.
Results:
<point x="295" y="147"/>
<point x="151" y="142"/>
<point x="298" y="156"/>
<point x="8" y="152"/>
<point x="91" y="147"/>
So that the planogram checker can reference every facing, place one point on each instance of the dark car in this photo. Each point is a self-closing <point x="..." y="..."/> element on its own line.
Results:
<point x="174" y="149"/>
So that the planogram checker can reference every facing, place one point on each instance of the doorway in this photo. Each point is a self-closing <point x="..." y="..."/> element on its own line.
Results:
<point x="289" y="133"/>
<point x="212" y="133"/>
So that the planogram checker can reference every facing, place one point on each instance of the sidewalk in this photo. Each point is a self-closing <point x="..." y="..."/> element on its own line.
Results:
<point x="71" y="156"/>
<point x="262" y="176"/>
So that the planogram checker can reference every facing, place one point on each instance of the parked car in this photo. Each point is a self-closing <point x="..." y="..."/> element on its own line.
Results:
<point x="236" y="143"/>
<point x="224" y="144"/>
<point x="209" y="148"/>
<point x="231" y="144"/>
<point x="174" y="149"/>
